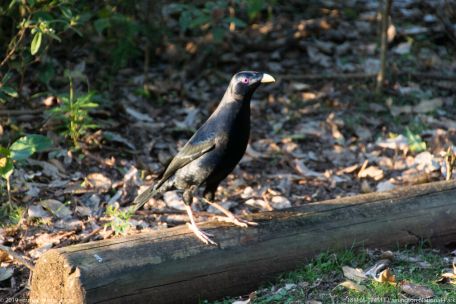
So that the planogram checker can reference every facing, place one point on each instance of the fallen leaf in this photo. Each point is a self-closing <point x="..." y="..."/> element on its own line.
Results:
<point x="56" y="208"/>
<point x="315" y="56"/>
<point x="226" y="204"/>
<point x="173" y="200"/>
<point x="36" y="211"/>
<point x="377" y="268"/>
<point x="425" y="161"/>
<point x="297" y="86"/>
<point x="363" y="133"/>
<point x="137" y="116"/>
<point x="385" y="186"/>
<point x="399" y="142"/>
<point x="6" y="273"/>
<point x="419" y="291"/>
<point x="302" y="169"/>
<point x="99" y="182"/>
<point x="112" y="136"/>
<point x="352" y="285"/>
<point x="402" y="48"/>
<point x="371" y="65"/>
<point x="37" y="252"/>
<point x="354" y="274"/>
<point x="189" y="120"/>
<point x="425" y="106"/>
<point x="386" y="276"/>
<point x="280" y="202"/>
<point x="373" y="172"/>
<point x="258" y="203"/>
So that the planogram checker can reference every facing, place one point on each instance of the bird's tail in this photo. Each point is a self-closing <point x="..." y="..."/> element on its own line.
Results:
<point x="143" y="198"/>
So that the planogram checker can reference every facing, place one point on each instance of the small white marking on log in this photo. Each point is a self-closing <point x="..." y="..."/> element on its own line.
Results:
<point x="98" y="258"/>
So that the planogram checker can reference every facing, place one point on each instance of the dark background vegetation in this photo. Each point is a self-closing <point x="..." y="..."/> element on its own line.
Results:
<point x="96" y="96"/>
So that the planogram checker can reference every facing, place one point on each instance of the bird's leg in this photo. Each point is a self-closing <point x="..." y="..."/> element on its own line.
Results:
<point x="204" y="237"/>
<point x="230" y="217"/>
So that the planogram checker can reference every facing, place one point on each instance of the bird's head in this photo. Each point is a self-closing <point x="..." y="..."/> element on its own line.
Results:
<point x="243" y="84"/>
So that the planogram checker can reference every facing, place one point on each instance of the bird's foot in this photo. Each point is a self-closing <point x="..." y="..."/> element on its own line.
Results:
<point x="236" y="221"/>
<point x="204" y="237"/>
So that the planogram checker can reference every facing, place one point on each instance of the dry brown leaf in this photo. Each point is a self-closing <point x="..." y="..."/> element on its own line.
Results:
<point x="354" y="274"/>
<point x="386" y="276"/>
<point x="352" y="285"/>
<point x="416" y="290"/>
<point x="302" y="169"/>
<point x="99" y="182"/>
<point x="373" y="172"/>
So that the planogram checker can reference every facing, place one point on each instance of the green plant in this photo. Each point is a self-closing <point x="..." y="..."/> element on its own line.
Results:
<point x="119" y="219"/>
<point x="213" y="16"/>
<point x="20" y="150"/>
<point x="6" y="90"/>
<point x="415" y="142"/>
<point x="30" y="27"/>
<point x="12" y="215"/>
<point x="74" y="113"/>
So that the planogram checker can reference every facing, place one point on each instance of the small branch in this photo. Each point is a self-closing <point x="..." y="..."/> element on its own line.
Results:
<point x="355" y="76"/>
<point x="384" y="45"/>
<point x="17" y="257"/>
<point x="21" y="112"/>
<point x="21" y="35"/>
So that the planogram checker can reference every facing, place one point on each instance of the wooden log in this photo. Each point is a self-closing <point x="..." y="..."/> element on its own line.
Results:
<point x="172" y="266"/>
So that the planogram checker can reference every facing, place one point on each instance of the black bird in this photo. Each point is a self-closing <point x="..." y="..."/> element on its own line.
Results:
<point x="213" y="151"/>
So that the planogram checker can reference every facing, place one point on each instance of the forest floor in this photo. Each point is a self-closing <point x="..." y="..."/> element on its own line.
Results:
<point x="316" y="134"/>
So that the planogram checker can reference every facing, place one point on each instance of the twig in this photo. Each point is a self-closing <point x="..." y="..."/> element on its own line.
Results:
<point x="17" y="257"/>
<point x="87" y="237"/>
<point x="13" y="49"/>
<point x="20" y="112"/>
<point x="384" y="45"/>
<point x="344" y="76"/>
<point x="355" y="76"/>
<point x="449" y="163"/>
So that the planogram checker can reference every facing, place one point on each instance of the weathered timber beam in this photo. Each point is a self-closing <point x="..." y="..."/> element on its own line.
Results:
<point x="172" y="266"/>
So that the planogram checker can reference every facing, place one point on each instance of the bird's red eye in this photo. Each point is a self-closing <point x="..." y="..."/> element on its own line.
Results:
<point x="245" y="80"/>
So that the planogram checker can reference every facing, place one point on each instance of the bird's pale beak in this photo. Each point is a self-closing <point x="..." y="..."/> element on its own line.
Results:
<point x="267" y="78"/>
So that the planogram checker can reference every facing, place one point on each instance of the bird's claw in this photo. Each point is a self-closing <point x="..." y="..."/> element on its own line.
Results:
<point x="204" y="237"/>
<point x="236" y="221"/>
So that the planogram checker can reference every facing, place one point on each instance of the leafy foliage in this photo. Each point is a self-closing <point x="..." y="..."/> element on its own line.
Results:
<point x="120" y="220"/>
<point x="74" y="113"/>
<point x="415" y="141"/>
<point x="20" y="150"/>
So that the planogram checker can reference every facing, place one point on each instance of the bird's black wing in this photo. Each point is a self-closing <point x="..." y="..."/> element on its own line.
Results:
<point x="187" y="154"/>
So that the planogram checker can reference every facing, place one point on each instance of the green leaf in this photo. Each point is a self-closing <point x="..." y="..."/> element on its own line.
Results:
<point x="25" y="146"/>
<point x="218" y="33"/>
<point x="36" y="43"/>
<point x="238" y="22"/>
<point x="4" y="152"/>
<point x="184" y="20"/>
<point x="200" y="20"/>
<point x="6" y="167"/>
<point x="415" y="142"/>
<point x="9" y="91"/>
<point x="101" y="24"/>
<point x="66" y="11"/>
<point x="7" y="77"/>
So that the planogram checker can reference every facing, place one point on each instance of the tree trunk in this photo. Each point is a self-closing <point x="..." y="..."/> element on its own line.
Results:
<point x="383" y="44"/>
<point x="172" y="266"/>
